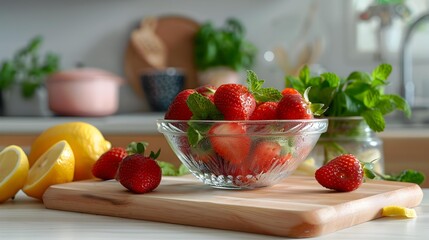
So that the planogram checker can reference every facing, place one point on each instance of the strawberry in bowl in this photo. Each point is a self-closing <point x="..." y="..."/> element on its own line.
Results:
<point x="242" y="137"/>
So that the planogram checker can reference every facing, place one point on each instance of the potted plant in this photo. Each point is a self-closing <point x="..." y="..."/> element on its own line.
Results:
<point x="356" y="107"/>
<point x="22" y="80"/>
<point x="221" y="52"/>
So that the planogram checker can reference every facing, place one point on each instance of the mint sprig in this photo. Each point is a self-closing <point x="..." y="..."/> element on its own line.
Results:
<point x="202" y="108"/>
<point x="410" y="176"/>
<point x="261" y="94"/>
<point x="360" y="94"/>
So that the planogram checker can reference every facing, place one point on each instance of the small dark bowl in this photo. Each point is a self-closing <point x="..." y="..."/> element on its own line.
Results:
<point x="161" y="86"/>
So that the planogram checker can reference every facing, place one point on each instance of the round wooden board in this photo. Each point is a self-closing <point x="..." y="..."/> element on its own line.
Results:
<point x="178" y="34"/>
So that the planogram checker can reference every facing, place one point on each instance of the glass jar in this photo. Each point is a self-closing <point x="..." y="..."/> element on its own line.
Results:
<point x="349" y="135"/>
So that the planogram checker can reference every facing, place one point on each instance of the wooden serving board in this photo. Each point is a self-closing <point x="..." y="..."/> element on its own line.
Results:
<point x="297" y="207"/>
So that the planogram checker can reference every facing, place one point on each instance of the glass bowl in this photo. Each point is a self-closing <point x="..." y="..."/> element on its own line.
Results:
<point x="261" y="154"/>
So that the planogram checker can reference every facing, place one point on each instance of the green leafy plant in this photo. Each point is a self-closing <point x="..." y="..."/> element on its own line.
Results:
<point x="225" y="46"/>
<point x="360" y="94"/>
<point x="28" y="68"/>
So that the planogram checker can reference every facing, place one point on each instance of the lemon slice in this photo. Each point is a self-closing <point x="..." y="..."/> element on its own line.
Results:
<point x="397" y="211"/>
<point x="54" y="166"/>
<point x="13" y="171"/>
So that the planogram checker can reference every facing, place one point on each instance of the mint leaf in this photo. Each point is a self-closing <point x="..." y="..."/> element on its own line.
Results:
<point x="267" y="95"/>
<point x="382" y="72"/>
<point x="183" y="170"/>
<point x="294" y="82"/>
<point x="167" y="169"/>
<point x="375" y="120"/>
<point x="304" y="74"/>
<point x="360" y="76"/>
<point x="261" y="94"/>
<point x="202" y="108"/>
<point x="371" y="98"/>
<point x="194" y="136"/>
<point x="399" y="103"/>
<point x="411" y="176"/>
<point x="332" y="79"/>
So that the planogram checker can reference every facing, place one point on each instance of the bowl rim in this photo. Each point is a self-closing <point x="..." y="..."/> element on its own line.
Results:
<point x="313" y="120"/>
<point x="297" y="127"/>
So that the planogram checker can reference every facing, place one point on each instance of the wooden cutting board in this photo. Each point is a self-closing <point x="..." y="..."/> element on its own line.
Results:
<point x="297" y="207"/>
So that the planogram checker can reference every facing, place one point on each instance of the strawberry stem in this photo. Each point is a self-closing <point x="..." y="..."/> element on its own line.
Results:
<point x="140" y="148"/>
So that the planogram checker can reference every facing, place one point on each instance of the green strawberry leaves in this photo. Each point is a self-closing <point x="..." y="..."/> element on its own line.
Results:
<point x="140" y="148"/>
<point x="360" y="94"/>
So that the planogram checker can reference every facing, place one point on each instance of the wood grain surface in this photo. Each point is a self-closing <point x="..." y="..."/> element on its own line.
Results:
<point x="297" y="207"/>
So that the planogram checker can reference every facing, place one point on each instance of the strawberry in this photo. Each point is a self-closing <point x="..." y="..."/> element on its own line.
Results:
<point x="203" y="152"/>
<point x="231" y="148"/>
<point x="294" y="106"/>
<point x="265" y="155"/>
<point x="343" y="173"/>
<point x="107" y="164"/>
<point x="207" y="91"/>
<point x="265" y="111"/>
<point x="290" y="91"/>
<point x="234" y="101"/>
<point x="139" y="174"/>
<point x="178" y="109"/>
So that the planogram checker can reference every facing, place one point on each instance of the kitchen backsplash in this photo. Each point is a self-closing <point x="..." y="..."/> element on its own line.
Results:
<point x="95" y="33"/>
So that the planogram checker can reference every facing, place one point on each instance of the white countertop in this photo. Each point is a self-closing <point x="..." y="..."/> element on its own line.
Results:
<point x="25" y="218"/>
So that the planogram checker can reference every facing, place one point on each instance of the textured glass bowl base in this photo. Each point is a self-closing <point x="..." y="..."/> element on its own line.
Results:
<point x="235" y="183"/>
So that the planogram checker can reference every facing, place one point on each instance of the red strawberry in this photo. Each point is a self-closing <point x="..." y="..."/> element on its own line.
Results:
<point x="207" y="91"/>
<point x="178" y="109"/>
<point x="234" y="101"/>
<point x="203" y="156"/>
<point x="294" y="106"/>
<point x="231" y="148"/>
<point x="290" y="91"/>
<point x="265" y="111"/>
<point x="139" y="174"/>
<point x="343" y="173"/>
<point x="265" y="155"/>
<point x="107" y="164"/>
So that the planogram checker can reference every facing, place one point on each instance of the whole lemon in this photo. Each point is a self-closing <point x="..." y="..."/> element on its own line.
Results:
<point x="86" y="141"/>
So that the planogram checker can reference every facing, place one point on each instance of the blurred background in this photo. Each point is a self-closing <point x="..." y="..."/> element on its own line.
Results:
<point x="329" y="35"/>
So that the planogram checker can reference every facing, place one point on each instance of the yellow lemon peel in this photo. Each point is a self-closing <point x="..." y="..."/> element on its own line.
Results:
<point x="398" y="211"/>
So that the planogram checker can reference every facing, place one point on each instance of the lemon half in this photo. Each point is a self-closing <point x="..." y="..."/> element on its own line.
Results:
<point x="86" y="141"/>
<point x="55" y="166"/>
<point x="13" y="171"/>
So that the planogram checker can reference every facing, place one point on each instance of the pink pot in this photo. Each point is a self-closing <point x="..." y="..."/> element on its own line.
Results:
<point x="83" y="92"/>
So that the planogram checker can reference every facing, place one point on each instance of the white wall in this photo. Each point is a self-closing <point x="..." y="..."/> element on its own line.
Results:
<point x="95" y="32"/>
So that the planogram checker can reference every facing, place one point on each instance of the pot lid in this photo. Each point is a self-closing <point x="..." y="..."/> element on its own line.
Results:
<point x="84" y="74"/>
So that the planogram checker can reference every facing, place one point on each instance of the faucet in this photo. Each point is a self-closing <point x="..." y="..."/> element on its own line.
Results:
<point x="407" y="83"/>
